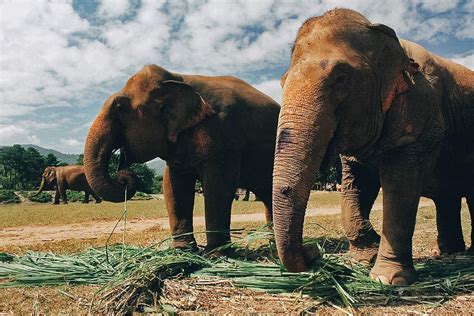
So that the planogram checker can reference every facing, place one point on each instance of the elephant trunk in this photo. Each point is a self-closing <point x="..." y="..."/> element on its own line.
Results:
<point x="305" y="129"/>
<point x="42" y="187"/>
<point x="101" y="141"/>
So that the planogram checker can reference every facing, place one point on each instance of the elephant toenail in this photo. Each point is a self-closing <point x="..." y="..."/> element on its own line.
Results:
<point x="381" y="278"/>
<point x="399" y="281"/>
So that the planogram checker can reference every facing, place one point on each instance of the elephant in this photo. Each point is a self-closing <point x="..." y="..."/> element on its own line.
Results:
<point x="353" y="88"/>
<point x="360" y="187"/>
<point x="219" y="130"/>
<point x="66" y="177"/>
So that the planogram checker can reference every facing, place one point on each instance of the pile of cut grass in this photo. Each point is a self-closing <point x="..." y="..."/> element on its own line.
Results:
<point x="132" y="277"/>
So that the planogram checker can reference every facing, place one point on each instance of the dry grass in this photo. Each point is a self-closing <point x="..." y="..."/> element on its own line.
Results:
<point x="12" y="215"/>
<point x="186" y="296"/>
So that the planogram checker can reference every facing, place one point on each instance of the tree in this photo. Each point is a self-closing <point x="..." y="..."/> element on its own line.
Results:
<point x="80" y="160"/>
<point x="157" y="186"/>
<point x="33" y="168"/>
<point x="51" y="160"/>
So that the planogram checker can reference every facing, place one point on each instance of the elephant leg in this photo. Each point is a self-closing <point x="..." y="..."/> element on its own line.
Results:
<point x="86" y="197"/>
<point x="56" y="195"/>
<point x="401" y="178"/>
<point x="448" y="220"/>
<point x="96" y="197"/>
<point x="62" y="192"/>
<point x="360" y="187"/>
<point x="178" y="190"/>
<point x="266" y="197"/>
<point x="219" y="185"/>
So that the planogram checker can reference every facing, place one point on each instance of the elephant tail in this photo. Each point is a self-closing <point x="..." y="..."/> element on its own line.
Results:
<point x="41" y="189"/>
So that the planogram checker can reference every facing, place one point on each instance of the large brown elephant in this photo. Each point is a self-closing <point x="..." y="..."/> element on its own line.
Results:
<point x="63" y="178"/>
<point x="219" y="130"/>
<point x="353" y="88"/>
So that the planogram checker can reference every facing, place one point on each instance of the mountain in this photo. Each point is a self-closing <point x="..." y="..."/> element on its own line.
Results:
<point x="158" y="165"/>
<point x="70" y="159"/>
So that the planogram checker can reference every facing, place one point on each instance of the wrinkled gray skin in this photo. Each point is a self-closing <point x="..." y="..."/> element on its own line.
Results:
<point x="351" y="89"/>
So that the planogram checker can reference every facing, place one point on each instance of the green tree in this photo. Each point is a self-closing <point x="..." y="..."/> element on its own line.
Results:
<point x="157" y="186"/>
<point x="51" y="160"/>
<point x="34" y="164"/>
<point x="80" y="160"/>
<point x="11" y="159"/>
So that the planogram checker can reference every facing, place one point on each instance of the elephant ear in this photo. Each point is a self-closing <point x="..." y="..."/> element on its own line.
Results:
<point x="384" y="29"/>
<point x="51" y="175"/>
<point x="183" y="108"/>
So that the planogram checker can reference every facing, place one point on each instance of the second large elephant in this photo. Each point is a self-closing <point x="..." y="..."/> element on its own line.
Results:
<point x="217" y="129"/>
<point x="354" y="88"/>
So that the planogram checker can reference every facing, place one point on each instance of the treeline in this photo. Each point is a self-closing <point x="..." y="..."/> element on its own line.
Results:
<point x="21" y="169"/>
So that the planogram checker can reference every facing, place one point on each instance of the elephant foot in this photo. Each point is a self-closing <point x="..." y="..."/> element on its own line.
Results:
<point x="98" y="201"/>
<point x="185" y="245"/>
<point x="56" y="203"/>
<point x="364" y="254"/>
<point x="217" y="251"/>
<point x="365" y="248"/>
<point x="394" y="273"/>
<point x="447" y="249"/>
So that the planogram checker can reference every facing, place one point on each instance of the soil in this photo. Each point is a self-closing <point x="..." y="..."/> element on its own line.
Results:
<point x="25" y="235"/>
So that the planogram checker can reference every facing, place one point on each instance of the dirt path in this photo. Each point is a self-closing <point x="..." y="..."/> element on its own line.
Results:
<point x="25" y="235"/>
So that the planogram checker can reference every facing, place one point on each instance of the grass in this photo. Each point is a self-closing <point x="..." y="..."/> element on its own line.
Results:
<point x="12" y="215"/>
<point x="134" y="276"/>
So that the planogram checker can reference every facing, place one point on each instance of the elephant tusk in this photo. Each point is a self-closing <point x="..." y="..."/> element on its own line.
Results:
<point x="123" y="161"/>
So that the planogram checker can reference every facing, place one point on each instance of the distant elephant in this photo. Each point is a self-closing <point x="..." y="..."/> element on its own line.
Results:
<point x="63" y="178"/>
<point x="353" y="88"/>
<point x="219" y="130"/>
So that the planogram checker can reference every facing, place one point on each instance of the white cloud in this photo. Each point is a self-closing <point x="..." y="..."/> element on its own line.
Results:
<point x="113" y="8"/>
<point x="51" y="57"/>
<point x="271" y="88"/>
<point x="467" y="61"/>
<point x="71" y="142"/>
<point x="438" y="6"/>
<point x="11" y="134"/>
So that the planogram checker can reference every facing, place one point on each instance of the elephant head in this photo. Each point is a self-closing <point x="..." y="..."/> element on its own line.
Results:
<point x="143" y="120"/>
<point x="344" y="74"/>
<point x="48" y="179"/>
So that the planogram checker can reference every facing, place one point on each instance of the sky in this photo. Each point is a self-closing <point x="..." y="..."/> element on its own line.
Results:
<point x="60" y="60"/>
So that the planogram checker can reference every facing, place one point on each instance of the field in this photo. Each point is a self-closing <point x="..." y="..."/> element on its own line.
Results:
<point x="76" y="227"/>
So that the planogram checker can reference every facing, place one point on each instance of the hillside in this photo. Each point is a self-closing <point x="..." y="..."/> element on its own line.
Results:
<point x="158" y="165"/>
<point x="70" y="159"/>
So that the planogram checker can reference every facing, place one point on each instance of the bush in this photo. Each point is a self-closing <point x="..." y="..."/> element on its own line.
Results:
<point x="8" y="196"/>
<point x="142" y="196"/>
<point x="43" y="197"/>
<point x="75" y="196"/>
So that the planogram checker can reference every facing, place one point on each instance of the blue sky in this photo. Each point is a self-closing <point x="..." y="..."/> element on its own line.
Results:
<point x="59" y="60"/>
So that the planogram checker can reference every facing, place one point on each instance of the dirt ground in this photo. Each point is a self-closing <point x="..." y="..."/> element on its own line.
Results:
<point x="25" y="235"/>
